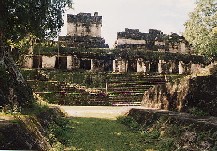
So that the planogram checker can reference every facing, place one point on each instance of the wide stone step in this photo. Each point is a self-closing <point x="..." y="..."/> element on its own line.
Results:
<point x="128" y="98"/>
<point x="113" y="85"/>
<point x="128" y="83"/>
<point x="116" y="89"/>
<point x="126" y="103"/>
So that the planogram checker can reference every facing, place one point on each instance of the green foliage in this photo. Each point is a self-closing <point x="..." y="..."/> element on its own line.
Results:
<point x="41" y="18"/>
<point x="4" y="82"/>
<point x="200" y="29"/>
<point x="166" y="145"/>
<point x="57" y="127"/>
<point x="101" y="134"/>
<point x="13" y="93"/>
<point x="129" y="122"/>
<point x="198" y="112"/>
<point x="111" y="54"/>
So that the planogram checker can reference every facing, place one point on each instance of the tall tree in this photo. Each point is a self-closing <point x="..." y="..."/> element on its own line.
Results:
<point x="18" y="19"/>
<point x="200" y="29"/>
<point x="42" y="18"/>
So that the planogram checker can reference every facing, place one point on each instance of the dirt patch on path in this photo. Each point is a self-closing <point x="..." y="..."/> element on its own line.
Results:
<point x="107" y="112"/>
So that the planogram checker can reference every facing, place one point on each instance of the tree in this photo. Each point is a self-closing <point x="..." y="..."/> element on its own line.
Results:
<point x="200" y="29"/>
<point x="41" y="18"/>
<point x="20" y="19"/>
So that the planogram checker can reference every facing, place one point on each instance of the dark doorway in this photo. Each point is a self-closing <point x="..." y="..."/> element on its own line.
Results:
<point x="37" y="62"/>
<point x="85" y="64"/>
<point x="132" y="66"/>
<point x="154" y="67"/>
<point x="108" y="65"/>
<point x="61" y="62"/>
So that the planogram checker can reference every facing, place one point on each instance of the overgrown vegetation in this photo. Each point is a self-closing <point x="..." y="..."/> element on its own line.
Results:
<point x="101" y="134"/>
<point x="200" y="29"/>
<point x="165" y="134"/>
<point x="13" y="93"/>
<point x="112" y="54"/>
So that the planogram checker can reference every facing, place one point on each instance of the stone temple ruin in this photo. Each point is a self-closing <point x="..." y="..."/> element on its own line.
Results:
<point x="84" y="35"/>
<point x="83" y="31"/>
<point x="155" y="40"/>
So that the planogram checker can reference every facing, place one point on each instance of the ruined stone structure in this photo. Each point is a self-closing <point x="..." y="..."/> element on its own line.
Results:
<point x="83" y="31"/>
<point x="131" y="38"/>
<point x="189" y="92"/>
<point x="155" y="40"/>
<point x="113" y="64"/>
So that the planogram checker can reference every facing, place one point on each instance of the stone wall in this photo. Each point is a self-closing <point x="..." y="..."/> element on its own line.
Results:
<point x="48" y="62"/>
<point x="83" y="31"/>
<point x="83" y="41"/>
<point x="184" y="94"/>
<point x="155" y="40"/>
<point x="120" y="64"/>
<point x="187" y="132"/>
<point x="27" y="62"/>
<point x="84" y="24"/>
<point x="143" y="66"/>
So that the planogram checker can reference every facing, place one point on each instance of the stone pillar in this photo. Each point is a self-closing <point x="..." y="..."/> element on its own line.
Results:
<point x="114" y="65"/>
<point x="147" y="67"/>
<point x="126" y="65"/>
<point x="69" y="63"/>
<point x="75" y="62"/>
<point x="28" y="62"/>
<point x="171" y="66"/>
<point x="122" y="65"/>
<point x="48" y="62"/>
<point x="181" y="67"/>
<point x="188" y="67"/>
<point x="92" y="65"/>
<point x="174" y="67"/>
<point x="141" y="65"/>
<point x="195" y="68"/>
<point x="160" y="66"/>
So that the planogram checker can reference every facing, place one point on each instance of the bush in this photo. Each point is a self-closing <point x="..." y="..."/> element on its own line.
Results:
<point x="129" y="122"/>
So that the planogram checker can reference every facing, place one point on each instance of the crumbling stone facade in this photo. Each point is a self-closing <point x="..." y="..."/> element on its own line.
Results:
<point x="83" y="31"/>
<point x="131" y="38"/>
<point x="155" y="40"/>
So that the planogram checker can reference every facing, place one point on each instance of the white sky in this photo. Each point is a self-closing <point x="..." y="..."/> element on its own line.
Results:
<point x="165" y="15"/>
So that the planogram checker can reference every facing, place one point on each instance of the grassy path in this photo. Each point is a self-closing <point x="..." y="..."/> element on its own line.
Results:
<point x="105" y="112"/>
<point x="91" y="134"/>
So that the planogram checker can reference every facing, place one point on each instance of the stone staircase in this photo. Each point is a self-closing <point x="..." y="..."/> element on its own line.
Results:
<point x="68" y="94"/>
<point x="122" y="89"/>
<point x="128" y="89"/>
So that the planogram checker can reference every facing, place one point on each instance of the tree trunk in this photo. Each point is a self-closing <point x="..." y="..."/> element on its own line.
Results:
<point x="13" y="87"/>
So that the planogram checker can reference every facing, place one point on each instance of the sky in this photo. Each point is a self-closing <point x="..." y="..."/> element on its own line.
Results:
<point x="165" y="15"/>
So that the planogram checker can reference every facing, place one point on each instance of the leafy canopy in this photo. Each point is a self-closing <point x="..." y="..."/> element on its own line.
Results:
<point x="41" y="18"/>
<point x="201" y="28"/>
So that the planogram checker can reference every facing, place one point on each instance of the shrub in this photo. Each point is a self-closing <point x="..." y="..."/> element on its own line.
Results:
<point x="129" y="122"/>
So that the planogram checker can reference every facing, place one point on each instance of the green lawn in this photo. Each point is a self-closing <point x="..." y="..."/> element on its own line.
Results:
<point x="100" y="134"/>
<point x="91" y="134"/>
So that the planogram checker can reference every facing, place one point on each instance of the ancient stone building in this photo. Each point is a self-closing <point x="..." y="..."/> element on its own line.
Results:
<point x="155" y="40"/>
<point x="83" y="31"/>
<point x="131" y="38"/>
<point x="178" y="44"/>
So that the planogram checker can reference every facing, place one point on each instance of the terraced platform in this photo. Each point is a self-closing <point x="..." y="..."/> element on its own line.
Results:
<point x="122" y="89"/>
<point x="128" y="89"/>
